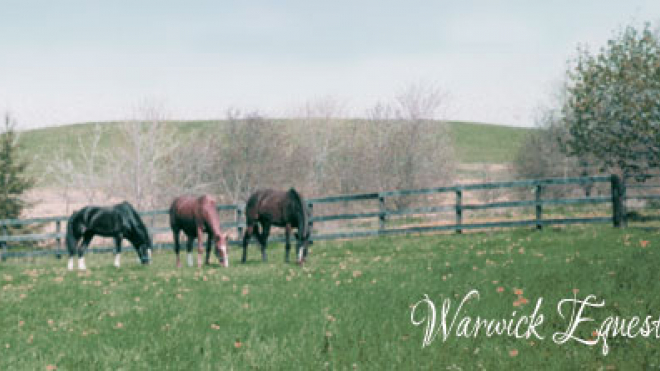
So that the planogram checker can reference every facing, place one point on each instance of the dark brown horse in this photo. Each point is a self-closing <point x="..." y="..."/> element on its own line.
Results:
<point x="194" y="216"/>
<point x="281" y="209"/>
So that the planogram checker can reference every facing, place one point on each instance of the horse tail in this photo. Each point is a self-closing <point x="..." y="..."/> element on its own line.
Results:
<point x="73" y="232"/>
<point x="251" y="212"/>
<point x="302" y="221"/>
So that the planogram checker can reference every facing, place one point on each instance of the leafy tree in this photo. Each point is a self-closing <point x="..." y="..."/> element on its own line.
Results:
<point x="612" y="110"/>
<point x="13" y="180"/>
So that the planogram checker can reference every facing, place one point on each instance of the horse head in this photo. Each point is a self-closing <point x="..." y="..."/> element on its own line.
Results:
<point x="221" y="246"/>
<point x="144" y="251"/>
<point x="142" y="242"/>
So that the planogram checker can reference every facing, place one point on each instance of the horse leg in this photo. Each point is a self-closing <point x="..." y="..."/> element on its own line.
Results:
<point x="189" y="246"/>
<point x="287" y="234"/>
<point x="117" y="251"/>
<point x="200" y="246"/>
<point x="264" y="240"/>
<point x="72" y="247"/>
<point x="209" y="240"/>
<point x="177" y="246"/>
<point x="300" y="252"/>
<point x="246" y="240"/>
<point x="82" y="249"/>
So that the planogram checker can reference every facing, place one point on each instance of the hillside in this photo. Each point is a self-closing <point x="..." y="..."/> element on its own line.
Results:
<point x="486" y="143"/>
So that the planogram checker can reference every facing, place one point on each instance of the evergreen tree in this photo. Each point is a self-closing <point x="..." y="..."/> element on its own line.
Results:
<point x="13" y="179"/>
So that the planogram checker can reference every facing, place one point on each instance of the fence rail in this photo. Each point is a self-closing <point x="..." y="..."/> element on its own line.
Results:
<point x="616" y="198"/>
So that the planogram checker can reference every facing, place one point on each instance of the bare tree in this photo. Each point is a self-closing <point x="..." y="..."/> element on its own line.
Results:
<point x="253" y="152"/>
<point x="191" y="168"/>
<point x="138" y="166"/>
<point x="320" y="126"/>
<point x="541" y="154"/>
<point x="86" y="174"/>
<point x="399" y="146"/>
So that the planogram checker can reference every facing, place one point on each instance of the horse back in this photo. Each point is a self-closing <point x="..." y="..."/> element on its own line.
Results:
<point x="103" y="221"/>
<point x="265" y="203"/>
<point x="278" y="207"/>
<point x="188" y="213"/>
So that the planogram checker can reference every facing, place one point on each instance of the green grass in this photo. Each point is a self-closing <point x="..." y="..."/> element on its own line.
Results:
<point x="348" y="308"/>
<point x="474" y="142"/>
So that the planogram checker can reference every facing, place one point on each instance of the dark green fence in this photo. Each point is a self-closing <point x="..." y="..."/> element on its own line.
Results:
<point x="616" y="199"/>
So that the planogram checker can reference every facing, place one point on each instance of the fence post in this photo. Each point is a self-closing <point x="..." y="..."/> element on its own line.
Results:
<point x="539" y="207"/>
<point x="617" y="201"/>
<point x="310" y="222"/>
<point x="459" y="211"/>
<point x="383" y="212"/>
<point x="3" y="244"/>
<point x="58" y="229"/>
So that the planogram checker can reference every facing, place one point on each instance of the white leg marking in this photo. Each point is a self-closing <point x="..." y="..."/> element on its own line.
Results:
<point x="149" y="254"/>
<point x="190" y="260"/>
<point x="81" y="264"/>
<point x="70" y="265"/>
<point x="117" y="260"/>
<point x="300" y="254"/>
<point x="225" y="257"/>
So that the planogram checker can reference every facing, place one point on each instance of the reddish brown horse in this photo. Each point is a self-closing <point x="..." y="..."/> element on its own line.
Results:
<point x="282" y="209"/>
<point x="194" y="216"/>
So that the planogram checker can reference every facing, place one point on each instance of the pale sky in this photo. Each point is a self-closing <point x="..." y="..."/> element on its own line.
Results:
<point x="80" y="61"/>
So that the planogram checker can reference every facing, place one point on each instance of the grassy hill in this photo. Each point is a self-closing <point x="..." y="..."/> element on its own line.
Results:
<point x="476" y="142"/>
<point x="473" y="142"/>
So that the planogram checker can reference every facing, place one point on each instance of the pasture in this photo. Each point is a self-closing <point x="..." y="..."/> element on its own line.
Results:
<point x="348" y="308"/>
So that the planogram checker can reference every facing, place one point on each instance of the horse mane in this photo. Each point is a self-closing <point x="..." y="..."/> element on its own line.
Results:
<point x="135" y="221"/>
<point x="298" y="199"/>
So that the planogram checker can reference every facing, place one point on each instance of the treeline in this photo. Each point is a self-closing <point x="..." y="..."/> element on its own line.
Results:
<point x="398" y="145"/>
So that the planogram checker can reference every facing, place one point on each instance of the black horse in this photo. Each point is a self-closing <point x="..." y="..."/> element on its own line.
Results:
<point x="281" y="209"/>
<point x="119" y="221"/>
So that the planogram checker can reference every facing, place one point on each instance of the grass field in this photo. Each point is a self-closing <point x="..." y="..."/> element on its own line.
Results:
<point x="348" y="308"/>
<point x="485" y="143"/>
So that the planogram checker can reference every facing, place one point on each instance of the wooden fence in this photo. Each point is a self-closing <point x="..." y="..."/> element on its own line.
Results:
<point x="616" y="199"/>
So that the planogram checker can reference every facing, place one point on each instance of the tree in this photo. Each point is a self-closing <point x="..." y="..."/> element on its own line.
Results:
<point x="541" y="155"/>
<point x="85" y="175"/>
<point x="254" y="152"/>
<point x="137" y="169"/>
<point x="14" y="181"/>
<point x="319" y="127"/>
<point x="400" y="145"/>
<point x="612" y="110"/>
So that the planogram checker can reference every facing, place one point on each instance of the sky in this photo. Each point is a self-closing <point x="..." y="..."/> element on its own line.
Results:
<point x="65" y="62"/>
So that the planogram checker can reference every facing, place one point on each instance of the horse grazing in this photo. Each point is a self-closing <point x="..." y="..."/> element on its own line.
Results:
<point x="194" y="216"/>
<point x="281" y="209"/>
<point x="119" y="221"/>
